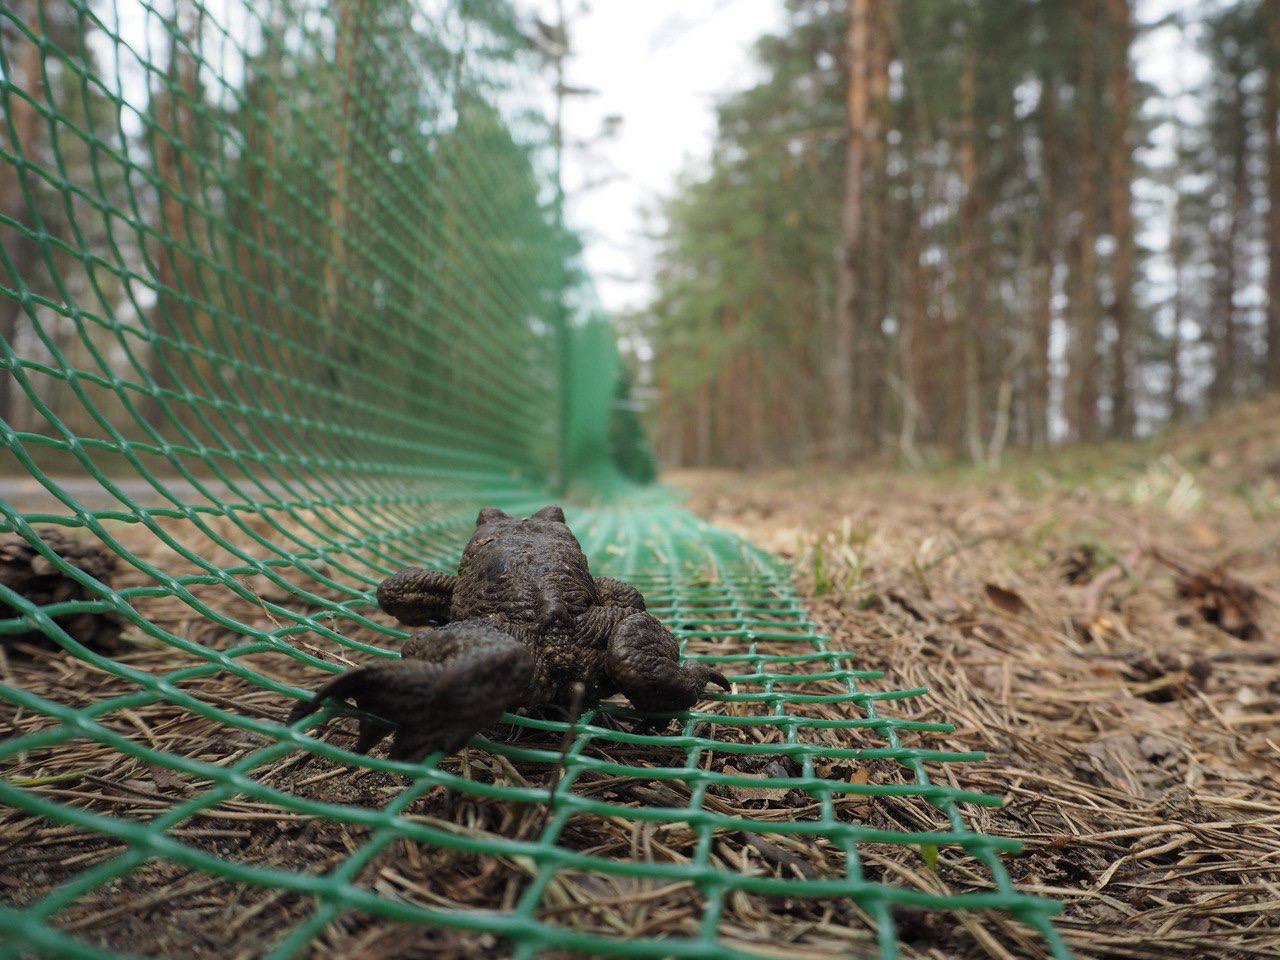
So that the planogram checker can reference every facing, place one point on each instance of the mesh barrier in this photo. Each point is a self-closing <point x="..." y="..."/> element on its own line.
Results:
<point x="283" y="305"/>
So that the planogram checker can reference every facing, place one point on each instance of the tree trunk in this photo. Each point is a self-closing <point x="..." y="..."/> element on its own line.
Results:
<point x="1271" y="18"/>
<point x="167" y="106"/>
<point x="877" y="266"/>
<point x="1120" y="176"/>
<point x="348" y="45"/>
<point x="181" y="307"/>
<point x="1003" y="420"/>
<point x="847" y="433"/>
<point x="1178" y="261"/>
<point x="1083" y="381"/>
<point x="914" y="313"/>
<point x="973" y="307"/>
<point x="707" y="425"/>
<point x="22" y="250"/>
<point x="1224" y="389"/>
<point x="1040" y="399"/>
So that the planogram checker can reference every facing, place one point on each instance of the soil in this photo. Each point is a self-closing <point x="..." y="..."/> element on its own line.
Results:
<point x="1105" y="624"/>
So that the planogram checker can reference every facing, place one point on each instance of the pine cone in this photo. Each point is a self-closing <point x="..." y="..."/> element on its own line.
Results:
<point x="26" y="571"/>
<point x="1231" y="604"/>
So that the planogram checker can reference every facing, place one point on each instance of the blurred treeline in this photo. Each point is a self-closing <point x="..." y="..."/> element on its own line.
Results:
<point x="283" y="232"/>
<point x="957" y="226"/>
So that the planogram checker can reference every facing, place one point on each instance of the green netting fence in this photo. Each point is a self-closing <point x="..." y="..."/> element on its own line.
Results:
<point x="285" y="299"/>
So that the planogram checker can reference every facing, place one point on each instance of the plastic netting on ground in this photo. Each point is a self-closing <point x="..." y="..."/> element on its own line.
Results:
<point x="283" y="304"/>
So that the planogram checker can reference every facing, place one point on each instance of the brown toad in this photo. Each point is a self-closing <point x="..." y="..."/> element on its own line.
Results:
<point x="521" y="624"/>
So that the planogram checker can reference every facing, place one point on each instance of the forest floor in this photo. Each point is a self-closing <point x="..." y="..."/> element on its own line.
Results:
<point x="1104" y="624"/>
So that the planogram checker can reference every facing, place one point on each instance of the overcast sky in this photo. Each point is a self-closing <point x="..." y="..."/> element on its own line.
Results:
<point x="660" y="65"/>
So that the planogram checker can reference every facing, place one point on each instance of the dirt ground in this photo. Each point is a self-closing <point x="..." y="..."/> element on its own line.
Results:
<point x="1105" y="624"/>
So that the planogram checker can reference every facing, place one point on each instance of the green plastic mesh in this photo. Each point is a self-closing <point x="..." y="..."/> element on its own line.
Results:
<point x="284" y="302"/>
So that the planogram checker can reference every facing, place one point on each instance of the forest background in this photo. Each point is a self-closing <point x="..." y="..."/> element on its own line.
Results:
<point x="943" y="229"/>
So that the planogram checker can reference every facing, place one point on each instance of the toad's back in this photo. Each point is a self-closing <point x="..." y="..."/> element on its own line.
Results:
<point x="528" y="572"/>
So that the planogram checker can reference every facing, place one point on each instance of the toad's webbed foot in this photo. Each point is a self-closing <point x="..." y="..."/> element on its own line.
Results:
<point x="643" y="662"/>
<point x="417" y="596"/>
<point x="458" y="680"/>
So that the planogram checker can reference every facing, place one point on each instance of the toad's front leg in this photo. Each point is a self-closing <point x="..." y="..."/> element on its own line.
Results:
<point x="619" y="593"/>
<point x="454" y="681"/>
<point x="417" y="596"/>
<point x="643" y="661"/>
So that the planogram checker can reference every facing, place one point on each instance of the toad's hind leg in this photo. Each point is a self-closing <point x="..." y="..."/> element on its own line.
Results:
<point x="459" y="679"/>
<point x="643" y="662"/>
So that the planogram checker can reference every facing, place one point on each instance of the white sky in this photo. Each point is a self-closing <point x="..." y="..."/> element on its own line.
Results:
<point x="660" y="65"/>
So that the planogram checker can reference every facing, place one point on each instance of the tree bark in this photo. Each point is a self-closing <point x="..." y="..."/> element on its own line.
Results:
<point x="22" y="250"/>
<point x="1040" y="400"/>
<point x="877" y="265"/>
<point x="914" y="313"/>
<point x="847" y="432"/>
<point x="1225" y="387"/>
<point x="348" y="46"/>
<point x="1083" y="381"/>
<point x="1120" y="177"/>
<point x="174" y="267"/>
<point x="1178" y="262"/>
<point x="973" y="281"/>
<point x="1271" y="19"/>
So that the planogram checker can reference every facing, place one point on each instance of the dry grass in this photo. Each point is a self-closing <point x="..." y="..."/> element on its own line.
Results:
<point x="1054" y="612"/>
<point x="1134" y="741"/>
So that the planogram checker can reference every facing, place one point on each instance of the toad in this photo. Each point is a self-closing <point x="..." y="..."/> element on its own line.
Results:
<point x="523" y="623"/>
